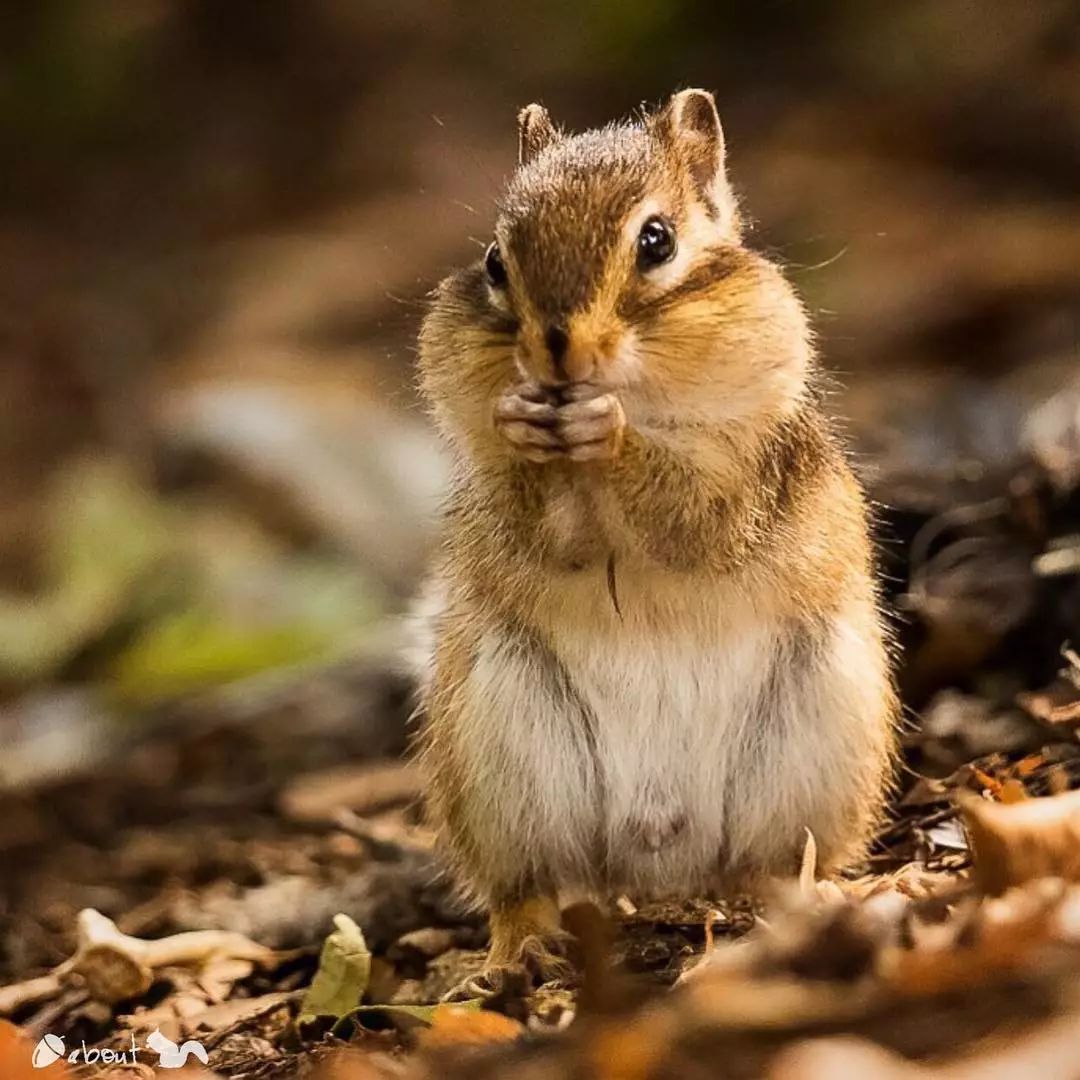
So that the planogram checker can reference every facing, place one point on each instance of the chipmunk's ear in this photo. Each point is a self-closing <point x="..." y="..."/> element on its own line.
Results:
<point x="535" y="131"/>
<point x="690" y="122"/>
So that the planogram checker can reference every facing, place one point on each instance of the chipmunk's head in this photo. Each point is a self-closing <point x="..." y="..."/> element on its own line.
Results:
<point x="618" y="260"/>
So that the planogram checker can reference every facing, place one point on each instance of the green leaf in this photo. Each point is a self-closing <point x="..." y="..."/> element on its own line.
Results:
<point x="344" y="970"/>
<point x="193" y="649"/>
<point x="110" y="556"/>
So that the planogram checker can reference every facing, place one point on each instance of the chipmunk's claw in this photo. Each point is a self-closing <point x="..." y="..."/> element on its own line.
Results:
<point x="543" y="962"/>
<point x="489" y="983"/>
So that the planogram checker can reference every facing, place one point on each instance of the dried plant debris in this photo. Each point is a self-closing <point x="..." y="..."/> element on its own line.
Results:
<point x="1058" y="704"/>
<point x="111" y="967"/>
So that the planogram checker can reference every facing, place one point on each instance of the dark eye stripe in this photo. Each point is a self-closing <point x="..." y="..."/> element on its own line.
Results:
<point x="716" y="264"/>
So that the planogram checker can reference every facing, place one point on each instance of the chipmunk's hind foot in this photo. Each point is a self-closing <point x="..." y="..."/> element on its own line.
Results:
<point x="528" y="947"/>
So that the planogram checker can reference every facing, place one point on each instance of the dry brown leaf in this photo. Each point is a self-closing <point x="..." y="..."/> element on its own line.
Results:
<point x="631" y="1051"/>
<point x="912" y="881"/>
<point x="926" y="791"/>
<point x="1000" y="949"/>
<point x="1057" y="708"/>
<point x="986" y="781"/>
<point x="1027" y="766"/>
<point x="459" y="1027"/>
<point x="16" y="1058"/>
<point x="1022" y="841"/>
<point x="1048" y="1052"/>
<point x="228" y="1014"/>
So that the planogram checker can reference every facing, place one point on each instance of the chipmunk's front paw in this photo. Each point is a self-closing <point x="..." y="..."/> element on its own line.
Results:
<point x="526" y="417"/>
<point x="591" y="426"/>
<point x="584" y="426"/>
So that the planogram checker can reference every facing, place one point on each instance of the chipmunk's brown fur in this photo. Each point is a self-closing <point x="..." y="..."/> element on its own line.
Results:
<point x="654" y="657"/>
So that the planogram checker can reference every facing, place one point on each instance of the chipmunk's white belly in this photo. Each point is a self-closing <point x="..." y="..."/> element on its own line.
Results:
<point x="675" y="713"/>
<point x="696" y="736"/>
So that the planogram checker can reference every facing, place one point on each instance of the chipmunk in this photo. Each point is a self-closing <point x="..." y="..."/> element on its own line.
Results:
<point x="653" y="654"/>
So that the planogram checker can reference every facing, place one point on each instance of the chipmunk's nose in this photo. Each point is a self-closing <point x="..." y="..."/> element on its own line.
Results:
<point x="557" y="339"/>
<point x="570" y="364"/>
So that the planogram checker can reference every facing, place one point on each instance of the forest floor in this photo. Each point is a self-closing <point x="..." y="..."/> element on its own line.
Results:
<point x="195" y="882"/>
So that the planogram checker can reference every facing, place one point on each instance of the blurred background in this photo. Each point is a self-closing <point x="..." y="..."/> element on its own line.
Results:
<point x="218" y="223"/>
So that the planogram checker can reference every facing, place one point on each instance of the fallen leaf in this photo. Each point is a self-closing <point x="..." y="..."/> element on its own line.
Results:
<point x="343" y="974"/>
<point x="231" y="1013"/>
<point x="1048" y="1053"/>
<point x="926" y="791"/>
<point x="466" y="1024"/>
<point x="425" y="943"/>
<point x="1013" y="791"/>
<point x="1001" y="949"/>
<point x="18" y="1056"/>
<point x="1013" y="843"/>
<point x="1057" y="705"/>
<point x="1029" y="765"/>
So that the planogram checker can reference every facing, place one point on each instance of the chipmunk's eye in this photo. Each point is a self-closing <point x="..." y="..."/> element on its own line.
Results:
<point x="494" y="266"/>
<point x="655" y="243"/>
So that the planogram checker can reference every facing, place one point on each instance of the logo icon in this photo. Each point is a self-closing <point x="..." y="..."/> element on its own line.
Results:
<point x="173" y="1056"/>
<point x="50" y="1049"/>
